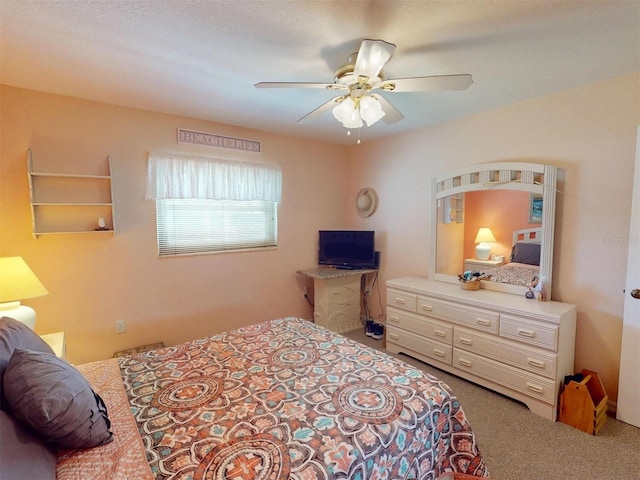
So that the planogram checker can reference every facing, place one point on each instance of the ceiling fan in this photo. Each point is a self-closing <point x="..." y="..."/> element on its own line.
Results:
<point x="359" y="79"/>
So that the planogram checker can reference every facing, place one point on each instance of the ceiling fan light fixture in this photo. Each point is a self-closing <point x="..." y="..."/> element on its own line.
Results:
<point x="370" y="110"/>
<point x="346" y="112"/>
<point x="352" y="112"/>
<point x="354" y="122"/>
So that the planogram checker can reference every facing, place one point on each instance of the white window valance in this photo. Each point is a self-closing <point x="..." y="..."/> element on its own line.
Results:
<point x="175" y="176"/>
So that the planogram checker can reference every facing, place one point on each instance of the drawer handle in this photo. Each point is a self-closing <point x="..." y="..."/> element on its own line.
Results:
<point x="535" y="388"/>
<point x="427" y="308"/>
<point x="526" y="333"/>
<point x="394" y="336"/>
<point x="466" y="363"/>
<point x="465" y="341"/>
<point x="440" y="333"/>
<point x="394" y="319"/>
<point x="439" y="353"/>
<point x="484" y="322"/>
<point x="400" y="301"/>
<point x="535" y="363"/>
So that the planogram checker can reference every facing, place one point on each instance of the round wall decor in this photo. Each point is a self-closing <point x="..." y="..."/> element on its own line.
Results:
<point x="366" y="201"/>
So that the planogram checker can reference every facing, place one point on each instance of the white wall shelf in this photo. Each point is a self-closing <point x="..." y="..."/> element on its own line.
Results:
<point x="64" y="203"/>
<point x="454" y="208"/>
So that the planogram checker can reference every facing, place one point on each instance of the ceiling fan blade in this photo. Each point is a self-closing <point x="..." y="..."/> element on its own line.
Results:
<point x="372" y="56"/>
<point x="318" y="111"/>
<point x="392" y="114"/>
<point x="331" y="86"/>
<point x="428" y="84"/>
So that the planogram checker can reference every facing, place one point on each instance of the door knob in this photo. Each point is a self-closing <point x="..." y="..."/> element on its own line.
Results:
<point x="635" y="293"/>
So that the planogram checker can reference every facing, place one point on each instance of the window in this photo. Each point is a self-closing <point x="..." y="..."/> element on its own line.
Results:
<point x="197" y="226"/>
<point x="207" y="205"/>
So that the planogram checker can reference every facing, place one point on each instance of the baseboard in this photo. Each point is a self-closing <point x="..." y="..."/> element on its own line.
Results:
<point x="612" y="408"/>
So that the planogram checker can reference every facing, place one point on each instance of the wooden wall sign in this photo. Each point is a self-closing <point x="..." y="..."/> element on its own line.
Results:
<point x="212" y="140"/>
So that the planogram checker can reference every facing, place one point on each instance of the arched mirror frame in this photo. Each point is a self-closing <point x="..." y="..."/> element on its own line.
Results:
<point x="520" y="176"/>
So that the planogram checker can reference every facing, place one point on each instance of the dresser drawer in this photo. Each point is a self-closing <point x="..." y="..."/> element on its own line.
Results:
<point x="427" y="327"/>
<point x="419" y="344"/>
<point x="485" y="320"/>
<point x="511" y="377"/>
<point x="534" y="333"/>
<point x="531" y="359"/>
<point x="404" y="300"/>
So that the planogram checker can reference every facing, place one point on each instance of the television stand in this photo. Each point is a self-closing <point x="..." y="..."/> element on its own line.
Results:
<point x="337" y="297"/>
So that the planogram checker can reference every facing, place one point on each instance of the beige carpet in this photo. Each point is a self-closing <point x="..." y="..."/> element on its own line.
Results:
<point x="518" y="445"/>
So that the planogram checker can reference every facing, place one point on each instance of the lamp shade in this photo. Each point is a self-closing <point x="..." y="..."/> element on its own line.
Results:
<point x="484" y="235"/>
<point x="17" y="281"/>
<point x="483" y="238"/>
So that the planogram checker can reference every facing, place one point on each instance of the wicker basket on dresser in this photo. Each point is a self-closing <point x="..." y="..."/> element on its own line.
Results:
<point x="521" y="348"/>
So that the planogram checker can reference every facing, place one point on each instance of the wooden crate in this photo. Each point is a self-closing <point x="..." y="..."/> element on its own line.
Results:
<point x="583" y="405"/>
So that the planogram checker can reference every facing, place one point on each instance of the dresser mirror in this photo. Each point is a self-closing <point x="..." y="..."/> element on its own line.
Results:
<point x="516" y="203"/>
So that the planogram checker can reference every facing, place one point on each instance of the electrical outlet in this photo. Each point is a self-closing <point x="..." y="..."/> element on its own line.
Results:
<point x="121" y="326"/>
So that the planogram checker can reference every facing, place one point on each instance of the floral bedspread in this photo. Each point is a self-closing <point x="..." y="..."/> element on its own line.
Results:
<point x="514" y="273"/>
<point x="286" y="399"/>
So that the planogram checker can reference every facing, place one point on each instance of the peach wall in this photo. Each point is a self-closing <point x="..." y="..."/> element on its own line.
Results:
<point x="94" y="280"/>
<point x="589" y="133"/>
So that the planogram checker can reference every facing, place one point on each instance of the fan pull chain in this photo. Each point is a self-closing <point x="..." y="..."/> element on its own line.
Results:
<point x="349" y="133"/>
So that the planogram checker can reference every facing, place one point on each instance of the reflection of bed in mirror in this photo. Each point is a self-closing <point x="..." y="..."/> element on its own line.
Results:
<point x="524" y="263"/>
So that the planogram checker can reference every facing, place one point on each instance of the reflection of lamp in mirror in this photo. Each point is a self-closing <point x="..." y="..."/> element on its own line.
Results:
<point x="483" y="238"/>
<point x="18" y="282"/>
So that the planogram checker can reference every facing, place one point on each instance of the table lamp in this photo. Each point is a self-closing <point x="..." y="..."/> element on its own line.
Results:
<point x="483" y="238"/>
<point x="18" y="282"/>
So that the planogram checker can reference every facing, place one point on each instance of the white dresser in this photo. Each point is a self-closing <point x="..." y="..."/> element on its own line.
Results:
<point x="521" y="348"/>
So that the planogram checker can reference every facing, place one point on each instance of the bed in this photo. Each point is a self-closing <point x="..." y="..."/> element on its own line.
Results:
<point x="523" y="267"/>
<point x="283" y="399"/>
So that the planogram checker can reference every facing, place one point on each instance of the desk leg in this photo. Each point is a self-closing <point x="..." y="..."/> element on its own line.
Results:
<point x="337" y="303"/>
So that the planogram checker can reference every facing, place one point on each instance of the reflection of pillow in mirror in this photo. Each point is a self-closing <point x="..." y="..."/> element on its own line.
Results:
<point x="528" y="253"/>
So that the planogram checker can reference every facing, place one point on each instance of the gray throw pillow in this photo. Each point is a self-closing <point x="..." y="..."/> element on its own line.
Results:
<point x="22" y="454"/>
<point x="15" y="334"/>
<point x="55" y="400"/>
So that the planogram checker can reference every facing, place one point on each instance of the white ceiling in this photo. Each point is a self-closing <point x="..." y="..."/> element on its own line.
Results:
<point x="201" y="58"/>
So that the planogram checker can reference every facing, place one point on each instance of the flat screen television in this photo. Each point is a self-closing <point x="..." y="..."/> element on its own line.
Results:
<point x="349" y="249"/>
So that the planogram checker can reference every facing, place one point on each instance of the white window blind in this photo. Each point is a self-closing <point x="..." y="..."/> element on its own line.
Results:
<point x="208" y="205"/>
<point x="200" y="226"/>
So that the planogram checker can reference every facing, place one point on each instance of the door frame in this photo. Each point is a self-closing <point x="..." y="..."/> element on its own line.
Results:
<point x="629" y="381"/>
